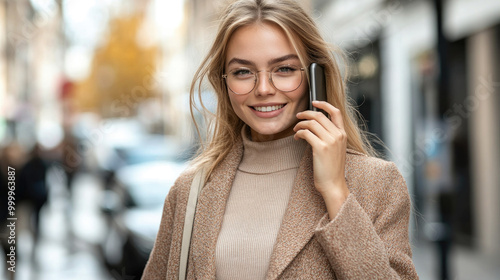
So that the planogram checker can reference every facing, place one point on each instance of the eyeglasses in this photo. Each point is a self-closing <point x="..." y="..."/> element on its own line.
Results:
<point x="284" y="78"/>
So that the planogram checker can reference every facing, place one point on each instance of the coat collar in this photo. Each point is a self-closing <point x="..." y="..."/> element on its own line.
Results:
<point x="305" y="208"/>
<point x="210" y="213"/>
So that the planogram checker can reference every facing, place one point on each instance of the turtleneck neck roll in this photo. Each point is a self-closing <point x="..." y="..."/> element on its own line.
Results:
<point x="270" y="156"/>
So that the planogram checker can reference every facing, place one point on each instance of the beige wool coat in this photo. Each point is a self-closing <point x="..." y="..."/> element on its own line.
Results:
<point x="367" y="240"/>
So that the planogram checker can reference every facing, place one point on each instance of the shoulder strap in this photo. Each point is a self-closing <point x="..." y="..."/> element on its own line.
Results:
<point x="194" y="193"/>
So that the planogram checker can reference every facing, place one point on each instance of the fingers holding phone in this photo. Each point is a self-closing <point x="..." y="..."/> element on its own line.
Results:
<point x="318" y="98"/>
<point x="328" y="140"/>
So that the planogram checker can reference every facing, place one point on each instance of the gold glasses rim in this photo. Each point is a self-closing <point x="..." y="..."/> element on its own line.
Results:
<point x="302" y="69"/>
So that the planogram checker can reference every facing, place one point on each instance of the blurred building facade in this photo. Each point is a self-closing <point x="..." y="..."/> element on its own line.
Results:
<point x="32" y="59"/>
<point x="446" y="145"/>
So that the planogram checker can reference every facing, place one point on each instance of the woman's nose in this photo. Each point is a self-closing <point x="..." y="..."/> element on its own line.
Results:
<point x="264" y="85"/>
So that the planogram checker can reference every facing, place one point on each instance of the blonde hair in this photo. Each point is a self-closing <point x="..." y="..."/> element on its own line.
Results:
<point x="310" y="46"/>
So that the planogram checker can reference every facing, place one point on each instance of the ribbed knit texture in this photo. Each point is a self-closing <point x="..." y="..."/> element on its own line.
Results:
<point x="256" y="205"/>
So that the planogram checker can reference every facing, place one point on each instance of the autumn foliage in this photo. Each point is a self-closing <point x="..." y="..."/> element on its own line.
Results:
<point x="122" y="72"/>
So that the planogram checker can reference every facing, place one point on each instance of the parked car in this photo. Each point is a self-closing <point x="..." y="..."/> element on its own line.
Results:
<point x="123" y="142"/>
<point x="133" y="201"/>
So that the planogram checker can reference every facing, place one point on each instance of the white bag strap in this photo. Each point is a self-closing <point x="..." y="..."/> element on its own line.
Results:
<point x="194" y="193"/>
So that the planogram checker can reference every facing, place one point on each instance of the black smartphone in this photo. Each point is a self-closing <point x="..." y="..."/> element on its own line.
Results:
<point x="317" y="85"/>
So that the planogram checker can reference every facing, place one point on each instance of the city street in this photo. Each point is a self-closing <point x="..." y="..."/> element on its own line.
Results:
<point x="118" y="96"/>
<point x="465" y="264"/>
<point x="68" y="234"/>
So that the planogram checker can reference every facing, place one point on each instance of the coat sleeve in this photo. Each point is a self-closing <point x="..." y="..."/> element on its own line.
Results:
<point x="156" y="268"/>
<point x="371" y="242"/>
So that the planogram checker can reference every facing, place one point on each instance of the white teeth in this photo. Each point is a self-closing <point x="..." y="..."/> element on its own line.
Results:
<point x="269" y="108"/>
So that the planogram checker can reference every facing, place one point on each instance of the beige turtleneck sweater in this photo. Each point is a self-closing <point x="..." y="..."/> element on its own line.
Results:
<point x="255" y="207"/>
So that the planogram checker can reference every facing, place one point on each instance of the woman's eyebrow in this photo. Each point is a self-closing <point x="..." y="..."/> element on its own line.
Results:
<point x="282" y="58"/>
<point x="270" y="62"/>
<point x="240" y="61"/>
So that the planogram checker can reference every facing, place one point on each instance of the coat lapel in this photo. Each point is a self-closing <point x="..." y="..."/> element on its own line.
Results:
<point x="210" y="213"/>
<point x="305" y="209"/>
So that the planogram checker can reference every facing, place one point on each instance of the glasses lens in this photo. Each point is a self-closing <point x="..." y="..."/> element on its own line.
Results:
<point x="241" y="80"/>
<point x="286" y="77"/>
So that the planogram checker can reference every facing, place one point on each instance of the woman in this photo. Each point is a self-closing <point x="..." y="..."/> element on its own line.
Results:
<point x="290" y="193"/>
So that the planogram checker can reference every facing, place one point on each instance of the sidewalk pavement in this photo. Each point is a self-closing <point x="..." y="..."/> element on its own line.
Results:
<point x="69" y="229"/>
<point x="465" y="263"/>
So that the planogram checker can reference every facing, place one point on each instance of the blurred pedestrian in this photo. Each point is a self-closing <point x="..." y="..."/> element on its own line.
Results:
<point x="33" y="186"/>
<point x="289" y="192"/>
<point x="70" y="164"/>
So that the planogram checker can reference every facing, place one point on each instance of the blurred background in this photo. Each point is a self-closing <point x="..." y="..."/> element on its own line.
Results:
<point x="94" y="118"/>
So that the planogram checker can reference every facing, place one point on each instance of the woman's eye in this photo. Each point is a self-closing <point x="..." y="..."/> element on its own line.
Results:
<point x="286" y="70"/>
<point x="242" y="73"/>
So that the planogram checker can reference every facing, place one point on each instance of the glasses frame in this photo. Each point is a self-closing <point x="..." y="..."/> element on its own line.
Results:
<point x="270" y="79"/>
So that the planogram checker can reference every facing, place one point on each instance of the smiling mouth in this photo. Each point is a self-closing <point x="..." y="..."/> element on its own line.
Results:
<point x="268" y="108"/>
